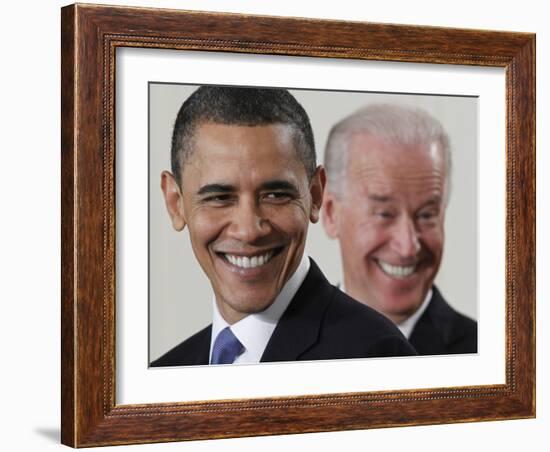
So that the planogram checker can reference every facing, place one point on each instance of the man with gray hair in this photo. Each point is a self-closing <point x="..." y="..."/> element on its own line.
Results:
<point x="389" y="170"/>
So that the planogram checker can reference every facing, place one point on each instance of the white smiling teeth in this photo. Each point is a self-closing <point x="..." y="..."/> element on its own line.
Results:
<point x="397" y="271"/>
<point x="249" y="262"/>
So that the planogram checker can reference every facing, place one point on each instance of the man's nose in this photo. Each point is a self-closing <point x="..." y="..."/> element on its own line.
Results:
<point x="405" y="238"/>
<point x="248" y="224"/>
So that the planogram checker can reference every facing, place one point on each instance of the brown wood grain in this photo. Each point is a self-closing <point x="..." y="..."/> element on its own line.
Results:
<point x="90" y="36"/>
<point x="68" y="310"/>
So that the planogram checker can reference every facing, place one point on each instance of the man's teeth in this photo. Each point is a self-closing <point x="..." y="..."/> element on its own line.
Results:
<point x="397" y="271"/>
<point x="249" y="262"/>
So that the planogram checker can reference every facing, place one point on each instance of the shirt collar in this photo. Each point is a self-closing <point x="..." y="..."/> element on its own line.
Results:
<point x="407" y="325"/>
<point x="255" y="330"/>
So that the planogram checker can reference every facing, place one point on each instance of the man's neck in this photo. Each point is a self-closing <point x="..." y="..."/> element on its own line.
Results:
<point x="254" y="330"/>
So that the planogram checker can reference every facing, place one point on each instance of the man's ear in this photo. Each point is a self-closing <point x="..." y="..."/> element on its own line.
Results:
<point x="316" y="189"/>
<point x="173" y="199"/>
<point x="330" y="214"/>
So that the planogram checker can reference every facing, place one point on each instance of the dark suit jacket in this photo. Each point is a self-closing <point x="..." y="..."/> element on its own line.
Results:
<point x="441" y="330"/>
<point x="321" y="322"/>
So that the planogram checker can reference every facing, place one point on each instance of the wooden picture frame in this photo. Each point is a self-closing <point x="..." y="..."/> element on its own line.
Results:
<point x="90" y="36"/>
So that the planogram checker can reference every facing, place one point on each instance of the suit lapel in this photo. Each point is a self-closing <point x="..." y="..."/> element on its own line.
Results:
<point x="434" y="326"/>
<point x="442" y="316"/>
<point x="299" y="327"/>
<point x="203" y="351"/>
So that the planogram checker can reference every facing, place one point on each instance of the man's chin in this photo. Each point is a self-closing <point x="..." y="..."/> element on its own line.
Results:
<point x="245" y="306"/>
<point x="402" y="307"/>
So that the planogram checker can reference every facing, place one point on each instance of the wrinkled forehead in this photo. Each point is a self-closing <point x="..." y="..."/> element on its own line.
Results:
<point x="229" y="152"/>
<point x="375" y="162"/>
<point x="366" y="150"/>
<point x="274" y="138"/>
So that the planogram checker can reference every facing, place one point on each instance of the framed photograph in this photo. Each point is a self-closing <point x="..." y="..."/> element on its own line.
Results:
<point x="132" y="286"/>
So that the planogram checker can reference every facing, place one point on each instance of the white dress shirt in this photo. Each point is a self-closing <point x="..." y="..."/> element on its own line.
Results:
<point x="255" y="330"/>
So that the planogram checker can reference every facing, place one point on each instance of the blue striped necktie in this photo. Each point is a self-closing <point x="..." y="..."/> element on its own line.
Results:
<point x="226" y="347"/>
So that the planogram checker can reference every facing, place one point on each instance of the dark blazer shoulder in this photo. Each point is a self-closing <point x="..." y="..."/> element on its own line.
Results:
<point x="360" y="324"/>
<point x="322" y="323"/>
<point x="443" y="330"/>
<point x="346" y="311"/>
<point x="193" y="351"/>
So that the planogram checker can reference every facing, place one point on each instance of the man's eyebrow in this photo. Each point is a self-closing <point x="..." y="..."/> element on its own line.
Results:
<point x="279" y="185"/>
<point x="215" y="188"/>
<point x="379" y="198"/>
<point x="434" y="200"/>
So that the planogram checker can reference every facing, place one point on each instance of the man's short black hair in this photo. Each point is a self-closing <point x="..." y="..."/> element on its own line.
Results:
<point x="242" y="107"/>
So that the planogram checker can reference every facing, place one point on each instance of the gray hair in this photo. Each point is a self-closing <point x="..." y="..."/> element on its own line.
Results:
<point x="395" y="124"/>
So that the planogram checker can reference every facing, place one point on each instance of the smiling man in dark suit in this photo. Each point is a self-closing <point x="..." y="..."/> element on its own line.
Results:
<point x="245" y="183"/>
<point x="389" y="170"/>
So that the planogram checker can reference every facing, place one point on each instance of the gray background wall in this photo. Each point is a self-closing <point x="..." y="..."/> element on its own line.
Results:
<point x="180" y="298"/>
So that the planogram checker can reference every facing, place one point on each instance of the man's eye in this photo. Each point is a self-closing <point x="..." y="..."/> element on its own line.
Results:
<point x="384" y="215"/>
<point x="277" y="196"/>
<point x="213" y="199"/>
<point x="427" y="215"/>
